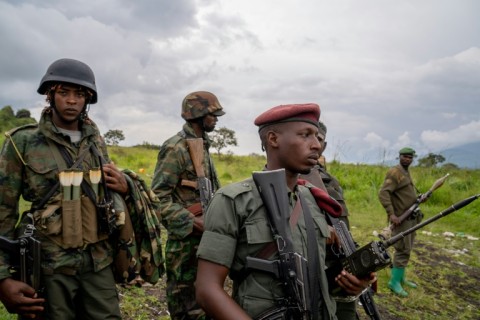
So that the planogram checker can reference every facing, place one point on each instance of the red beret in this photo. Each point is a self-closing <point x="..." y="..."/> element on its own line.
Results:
<point x="308" y="112"/>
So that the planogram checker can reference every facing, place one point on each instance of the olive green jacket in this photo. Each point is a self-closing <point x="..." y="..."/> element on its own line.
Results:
<point x="397" y="193"/>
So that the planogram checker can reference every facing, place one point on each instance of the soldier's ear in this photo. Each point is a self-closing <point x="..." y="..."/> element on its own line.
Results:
<point x="272" y="138"/>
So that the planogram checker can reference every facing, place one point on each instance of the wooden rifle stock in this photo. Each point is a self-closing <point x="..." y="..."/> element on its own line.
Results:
<point x="195" y="148"/>
<point x="204" y="185"/>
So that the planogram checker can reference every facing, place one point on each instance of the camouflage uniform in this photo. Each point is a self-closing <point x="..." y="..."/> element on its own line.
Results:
<point x="236" y="226"/>
<point x="173" y="166"/>
<point x="29" y="169"/>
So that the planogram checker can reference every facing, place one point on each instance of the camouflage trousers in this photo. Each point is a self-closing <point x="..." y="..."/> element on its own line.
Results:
<point x="181" y="265"/>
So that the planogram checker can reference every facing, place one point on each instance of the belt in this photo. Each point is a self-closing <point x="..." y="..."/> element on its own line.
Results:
<point x="69" y="271"/>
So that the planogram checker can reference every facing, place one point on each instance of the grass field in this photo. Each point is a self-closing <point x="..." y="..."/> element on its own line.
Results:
<point x="447" y="268"/>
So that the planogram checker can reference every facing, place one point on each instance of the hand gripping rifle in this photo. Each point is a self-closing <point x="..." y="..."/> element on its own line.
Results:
<point x="348" y="247"/>
<point x="291" y="268"/>
<point x="386" y="233"/>
<point x="106" y="211"/>
<point x="204" y="185"/>
<point x="25" y="255"/>
<point x="374" y="256"/>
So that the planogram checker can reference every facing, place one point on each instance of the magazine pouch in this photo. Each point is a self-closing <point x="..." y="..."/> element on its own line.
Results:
<point x="72" y="224"/>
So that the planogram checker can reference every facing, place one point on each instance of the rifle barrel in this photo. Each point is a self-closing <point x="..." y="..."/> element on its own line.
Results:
<point x="452" y="208"/>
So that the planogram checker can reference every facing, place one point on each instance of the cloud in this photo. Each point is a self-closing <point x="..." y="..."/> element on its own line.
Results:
<point x="438" y="140"/>
<point x="384" y="75"/>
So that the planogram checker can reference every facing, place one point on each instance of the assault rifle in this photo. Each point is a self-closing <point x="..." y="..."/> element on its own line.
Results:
<point x="374" y="256"/>
<point x="25" y="258"/>
<point x="203" y="184"/>
<point x="386" y="233"/>
<point x="106" y="211"/>
<point x="291" y="268"/>
<point x="348" y="247"/>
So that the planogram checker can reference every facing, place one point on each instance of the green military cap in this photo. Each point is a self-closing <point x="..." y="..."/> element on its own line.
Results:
<point x="407" y="150"/>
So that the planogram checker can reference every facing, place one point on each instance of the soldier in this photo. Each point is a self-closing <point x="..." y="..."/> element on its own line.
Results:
<point x="324" y="180"/>
<point x="76" y="254"/>
<point x="397" y="194"/>
<point x="237" y="226"/>
<point x="174" y="183"/>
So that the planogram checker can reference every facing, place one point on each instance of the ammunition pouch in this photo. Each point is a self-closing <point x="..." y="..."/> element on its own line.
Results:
<point x="69" y="223"/>
<point x="72" y="236"/>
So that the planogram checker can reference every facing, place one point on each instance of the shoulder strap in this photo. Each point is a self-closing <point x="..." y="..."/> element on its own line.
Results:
<point x="312" y="253"/>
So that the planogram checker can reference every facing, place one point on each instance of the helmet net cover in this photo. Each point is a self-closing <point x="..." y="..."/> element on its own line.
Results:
<point x="200" y="103"/>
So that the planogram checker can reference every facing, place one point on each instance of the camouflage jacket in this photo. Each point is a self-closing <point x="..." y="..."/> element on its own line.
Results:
<point x="144" y="239"/>
<point x="29" y="169"/>
<point x="174" y="165"/>
<point x="398" y="192"/>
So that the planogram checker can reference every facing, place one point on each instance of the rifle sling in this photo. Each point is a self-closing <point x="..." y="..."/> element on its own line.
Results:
<point x="312" y="253"/>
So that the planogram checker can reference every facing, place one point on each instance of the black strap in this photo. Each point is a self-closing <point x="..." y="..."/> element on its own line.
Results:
<point x="87" y="189"/>
<point x="313" y="257"/>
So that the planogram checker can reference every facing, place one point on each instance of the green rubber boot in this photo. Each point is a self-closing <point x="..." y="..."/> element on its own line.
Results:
<point x="408" y="283"/>
<point x="395" y="282"/>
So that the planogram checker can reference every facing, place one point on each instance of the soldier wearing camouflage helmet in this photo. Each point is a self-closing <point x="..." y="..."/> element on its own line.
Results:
<point x="76" y="275"/>
<point x="174" y="183"/>
<point x="397" y="194"/>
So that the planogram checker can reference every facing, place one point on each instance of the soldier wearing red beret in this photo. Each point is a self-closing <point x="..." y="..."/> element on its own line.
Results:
<point x="237" y="227"/>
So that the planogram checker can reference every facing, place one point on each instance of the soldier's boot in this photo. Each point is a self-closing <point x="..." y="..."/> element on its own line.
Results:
<point x="408" y="283"/>
<point x="395" y="282"/>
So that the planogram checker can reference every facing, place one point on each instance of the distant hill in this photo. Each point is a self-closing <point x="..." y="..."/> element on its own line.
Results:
<point x="465" y="156"/>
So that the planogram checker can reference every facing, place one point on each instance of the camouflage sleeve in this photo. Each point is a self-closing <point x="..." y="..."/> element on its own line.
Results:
<point x="385" y="194"/>
<point x="168" y="171"/>
<point x="11" y="171"/>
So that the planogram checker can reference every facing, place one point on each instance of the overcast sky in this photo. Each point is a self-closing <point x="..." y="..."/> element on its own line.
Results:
<point x="386" y="74"/>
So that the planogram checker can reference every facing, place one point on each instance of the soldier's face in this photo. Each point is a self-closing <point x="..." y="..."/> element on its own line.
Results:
<point x="298" y="146"/>
<point x="209" y="122"/>
<point x="69" y="103"/>
<point x="406" y="160"/>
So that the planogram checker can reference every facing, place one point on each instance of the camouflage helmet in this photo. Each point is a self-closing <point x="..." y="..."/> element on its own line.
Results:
<point x="69" y="71"/>
<point x="200" y="103"/>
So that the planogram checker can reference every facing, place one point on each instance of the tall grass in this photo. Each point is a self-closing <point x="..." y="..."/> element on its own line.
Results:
<point x="361" y="184"/>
